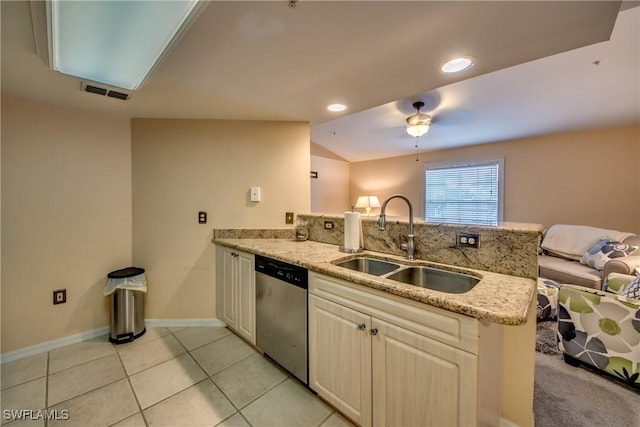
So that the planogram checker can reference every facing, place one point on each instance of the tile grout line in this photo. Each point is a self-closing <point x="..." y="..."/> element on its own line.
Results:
<point x="133" y="391"/>
<point x="209" y="377"/>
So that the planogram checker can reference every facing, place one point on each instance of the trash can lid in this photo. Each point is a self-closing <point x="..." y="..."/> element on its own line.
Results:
<point x="125" y="272"/>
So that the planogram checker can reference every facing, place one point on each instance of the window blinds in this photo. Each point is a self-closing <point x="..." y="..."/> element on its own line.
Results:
<point x="467" y="194"/>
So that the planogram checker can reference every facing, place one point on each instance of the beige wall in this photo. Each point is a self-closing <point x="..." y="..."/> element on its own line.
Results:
<point x="183" y="166"/>
<point x="66" y="218"/>
<point x="330" y="191"/>
<point x="590" y="178"/>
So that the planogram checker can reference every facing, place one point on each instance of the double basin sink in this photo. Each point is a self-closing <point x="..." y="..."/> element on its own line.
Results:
<point x="424" y="277"/>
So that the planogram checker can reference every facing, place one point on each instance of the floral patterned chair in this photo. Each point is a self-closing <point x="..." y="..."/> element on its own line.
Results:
<point x="602" y="328"/>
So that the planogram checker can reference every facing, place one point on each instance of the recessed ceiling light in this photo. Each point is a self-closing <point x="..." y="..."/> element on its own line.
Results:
<point x="336" y="107"/>
<point x="457" y="64"/>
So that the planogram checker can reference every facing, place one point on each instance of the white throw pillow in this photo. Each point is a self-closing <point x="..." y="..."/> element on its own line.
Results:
<point x="572" y="241"/>
<point x="605" y="250"/>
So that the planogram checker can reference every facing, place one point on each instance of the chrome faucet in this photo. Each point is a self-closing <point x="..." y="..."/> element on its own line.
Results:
<point x="382" y="221"/>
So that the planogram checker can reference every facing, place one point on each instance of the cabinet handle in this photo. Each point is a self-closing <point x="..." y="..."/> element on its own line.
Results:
<point x="374" y="331"/>
<point x="362" y="326"/>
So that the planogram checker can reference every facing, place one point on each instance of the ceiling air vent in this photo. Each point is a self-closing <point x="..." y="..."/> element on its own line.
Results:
<point x="96" y="90"/>
<point x="92" y="88"/>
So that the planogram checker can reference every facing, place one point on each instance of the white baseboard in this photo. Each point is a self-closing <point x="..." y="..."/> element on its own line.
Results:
<point x="184" y="323"/>
<point x="99" y="332"/>
<point x="53" y="344"/>
<point x="506" y="423"/>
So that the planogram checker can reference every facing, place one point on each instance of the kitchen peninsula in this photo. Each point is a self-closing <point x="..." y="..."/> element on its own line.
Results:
<point x="382" y="351"/>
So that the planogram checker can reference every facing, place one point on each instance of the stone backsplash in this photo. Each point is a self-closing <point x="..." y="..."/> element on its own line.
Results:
<point x="248" y="233"/>
<point x="511" y="248"/>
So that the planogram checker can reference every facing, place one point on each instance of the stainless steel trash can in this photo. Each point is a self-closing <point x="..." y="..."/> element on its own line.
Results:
<point x="127" y="308"/>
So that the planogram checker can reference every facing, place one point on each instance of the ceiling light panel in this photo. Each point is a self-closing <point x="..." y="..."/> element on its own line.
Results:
<point x="457" y="65"/>
<point x="113" y="42"/>
<point x="337" y="107"/>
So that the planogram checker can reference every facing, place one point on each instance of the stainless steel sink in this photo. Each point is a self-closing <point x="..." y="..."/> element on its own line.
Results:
<point x="436" y="279"/>
<point x="373" y="266"/>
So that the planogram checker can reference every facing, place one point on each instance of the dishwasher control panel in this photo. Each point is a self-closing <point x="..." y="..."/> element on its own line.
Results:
<point x="286" y="272"/>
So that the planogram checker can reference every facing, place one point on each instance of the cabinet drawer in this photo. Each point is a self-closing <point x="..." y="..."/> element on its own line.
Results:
<point x="442" y="325"/>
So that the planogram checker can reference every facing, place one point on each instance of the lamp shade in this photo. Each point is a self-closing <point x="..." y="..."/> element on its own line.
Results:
<point x="368" y="202"/>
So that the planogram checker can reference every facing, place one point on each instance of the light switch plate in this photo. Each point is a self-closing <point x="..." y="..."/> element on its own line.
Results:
<point x="255" y="194"/>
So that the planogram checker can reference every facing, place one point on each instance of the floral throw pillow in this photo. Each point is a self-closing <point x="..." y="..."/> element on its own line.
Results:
<point x="605" y="250"/>
<point x="632" y="290"/>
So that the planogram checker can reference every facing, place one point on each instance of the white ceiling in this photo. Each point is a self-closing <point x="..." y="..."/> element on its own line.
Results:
<point x="590" y="87"/>
<point x="266" y="61"/>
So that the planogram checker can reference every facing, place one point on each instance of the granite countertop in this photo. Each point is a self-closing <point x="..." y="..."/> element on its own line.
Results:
<point x="498" y="298"/>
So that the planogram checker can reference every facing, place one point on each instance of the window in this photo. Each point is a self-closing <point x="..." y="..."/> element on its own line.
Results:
<point x="468" y="193"/>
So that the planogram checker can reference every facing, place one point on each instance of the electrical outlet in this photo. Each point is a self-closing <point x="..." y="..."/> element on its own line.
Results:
<point x="202" y="217"/>
<point x="59" y="296"/>
<point x="288" y="218"/>
<point x="467" y="240"/>
<point x="328" y="225"/>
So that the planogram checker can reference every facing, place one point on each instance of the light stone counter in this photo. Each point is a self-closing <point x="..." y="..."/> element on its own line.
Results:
<point x="498" y="298"/>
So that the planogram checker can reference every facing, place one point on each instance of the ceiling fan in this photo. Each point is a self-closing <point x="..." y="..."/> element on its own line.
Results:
<point x="418" y="123"/>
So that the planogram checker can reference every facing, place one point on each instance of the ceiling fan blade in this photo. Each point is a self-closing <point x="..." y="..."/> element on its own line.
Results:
<point x="430" y="99"/>
<point x="453" y="118"/>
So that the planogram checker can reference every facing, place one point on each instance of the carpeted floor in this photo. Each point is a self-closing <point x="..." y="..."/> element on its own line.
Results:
<point x="566" y="396"/>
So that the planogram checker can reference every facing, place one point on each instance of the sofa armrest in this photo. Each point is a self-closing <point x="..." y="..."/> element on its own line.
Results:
<point x="626" y="265"/>
<point x="616" y="282"/>
<point x="600" y="329"/>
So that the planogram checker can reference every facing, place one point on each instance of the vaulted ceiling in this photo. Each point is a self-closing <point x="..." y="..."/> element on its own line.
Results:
<point x="266" y="60"/>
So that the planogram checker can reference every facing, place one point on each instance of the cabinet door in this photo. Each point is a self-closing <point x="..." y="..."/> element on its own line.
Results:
<point x="340" y="358"/>
<point x="418" y="381"/>
<point x="246" y="294"/>
<point x="228" y="277"/>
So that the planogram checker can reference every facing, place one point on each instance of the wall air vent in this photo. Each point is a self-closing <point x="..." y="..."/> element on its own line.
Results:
<point x="105" y="91"/>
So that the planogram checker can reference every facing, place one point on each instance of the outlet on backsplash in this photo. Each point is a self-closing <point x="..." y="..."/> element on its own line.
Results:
<point x="467" y="240"/>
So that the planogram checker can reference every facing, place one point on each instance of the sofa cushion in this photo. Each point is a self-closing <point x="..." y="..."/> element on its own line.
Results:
<point x="573" y="241"/>
<point x="605" y="250"/>
<point x="567" y="271"/>
<point x="616" y="282"/>
<point x="632" y="290"/>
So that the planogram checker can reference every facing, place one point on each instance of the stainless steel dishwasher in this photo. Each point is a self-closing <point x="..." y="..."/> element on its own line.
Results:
<point x="281" y="314"/>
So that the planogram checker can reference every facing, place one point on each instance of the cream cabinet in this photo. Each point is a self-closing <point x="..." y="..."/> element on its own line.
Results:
<point x="340" y="357"/>
<point x="384" y="360"/>
<point x="236" y="291"/>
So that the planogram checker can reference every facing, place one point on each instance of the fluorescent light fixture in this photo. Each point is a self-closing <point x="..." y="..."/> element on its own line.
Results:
<point x="337" y="107"/>
<point x="457" y="65"/>
<point x="114" y="42"/>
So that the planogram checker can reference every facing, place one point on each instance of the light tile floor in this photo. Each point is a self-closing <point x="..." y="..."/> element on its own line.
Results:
<point x="167" y="377"/>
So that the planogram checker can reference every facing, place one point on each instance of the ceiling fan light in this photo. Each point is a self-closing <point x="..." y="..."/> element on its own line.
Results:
<point x="418" y="124"/>
<point x="417" y="130"/>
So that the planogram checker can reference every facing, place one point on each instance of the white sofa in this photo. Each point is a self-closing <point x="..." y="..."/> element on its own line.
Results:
<point x="564" y="254"/>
